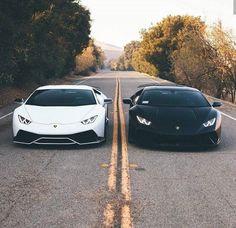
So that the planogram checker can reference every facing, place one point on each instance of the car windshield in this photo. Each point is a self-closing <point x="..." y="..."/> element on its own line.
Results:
<point x="173" y="98"/>
<point x="62" y="97"/>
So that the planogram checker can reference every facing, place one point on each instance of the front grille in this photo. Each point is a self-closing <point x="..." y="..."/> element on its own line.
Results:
<point x="26" y="137"/>
<point x="84" y="137"/>
<point x="201" y="139"/>
<point x="80" y="138"/>
<point x="54" y="141"/>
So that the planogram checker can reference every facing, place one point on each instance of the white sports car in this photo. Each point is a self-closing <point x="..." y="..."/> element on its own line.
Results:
<point x="64" y="114"/>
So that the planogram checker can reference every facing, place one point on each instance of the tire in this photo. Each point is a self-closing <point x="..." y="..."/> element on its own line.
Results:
<point x="105" y="131"/>
<point x="107" y="112"/>
<point x="131" y="134"/>
<point x="105" y="126"/>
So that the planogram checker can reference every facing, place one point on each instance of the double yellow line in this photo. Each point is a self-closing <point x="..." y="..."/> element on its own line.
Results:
<point x="110" y="209"/>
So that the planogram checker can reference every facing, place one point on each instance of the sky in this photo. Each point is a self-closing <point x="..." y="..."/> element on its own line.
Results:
<point x="118" y="22"/>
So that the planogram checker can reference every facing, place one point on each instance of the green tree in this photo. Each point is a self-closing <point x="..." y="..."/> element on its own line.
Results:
<point x="90" y="59"/>
<point x="124" y="62"/>
<point x="129" y="50"/>
<point x="160" y="41"/>
<point x="39" y="39"/>
<point x="141" y="65"/>
<point x="223" y="42"/>
<point x="193" y="61"/>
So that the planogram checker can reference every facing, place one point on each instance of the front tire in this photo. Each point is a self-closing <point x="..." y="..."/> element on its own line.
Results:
<point x="131" y="134"/>
<point x="105" y="130"/>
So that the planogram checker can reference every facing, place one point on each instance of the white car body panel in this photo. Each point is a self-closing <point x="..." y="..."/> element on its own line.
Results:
<point x="64" y="115"/>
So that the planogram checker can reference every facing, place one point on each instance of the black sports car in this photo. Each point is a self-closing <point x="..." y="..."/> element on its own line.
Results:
<point x="173" y="115"/>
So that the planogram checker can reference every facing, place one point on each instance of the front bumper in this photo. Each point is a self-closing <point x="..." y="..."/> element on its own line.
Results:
<point x="167" y="136"/>
<point x="58" y="134"/>
<point x="82" y="138"/>
<point x="205" y="139"/>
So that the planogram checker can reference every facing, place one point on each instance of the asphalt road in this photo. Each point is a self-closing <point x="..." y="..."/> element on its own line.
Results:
<point x="68" y="186"/>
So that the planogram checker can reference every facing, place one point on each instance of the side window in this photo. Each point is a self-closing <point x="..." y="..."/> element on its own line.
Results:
<point x="136" y="96"/>
<point x="98" y="96"/>
<point x="136" y="99"/>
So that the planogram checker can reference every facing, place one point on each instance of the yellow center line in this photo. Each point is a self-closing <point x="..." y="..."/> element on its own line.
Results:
<point x="109" y="216"/>
<point x="113" y="163"/>
<point x="109" y="212"/>
<point x="126" y="220"/>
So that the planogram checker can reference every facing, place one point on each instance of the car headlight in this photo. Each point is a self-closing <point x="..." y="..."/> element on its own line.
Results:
<point x="90" y="120"/>
<point x="23" y="120"/>
<point x="209" y="123"/>
<point x="143" y="121"/>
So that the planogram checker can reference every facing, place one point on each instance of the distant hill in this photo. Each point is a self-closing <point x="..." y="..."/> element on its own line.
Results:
<point x="111" y="51"/>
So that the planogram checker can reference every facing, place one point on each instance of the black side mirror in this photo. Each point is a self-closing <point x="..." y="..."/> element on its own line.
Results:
<point x="216" y="104"/>
<point x="108" y="101"/>
<point x="19" y="100"/>
<point x="127" y="101"/>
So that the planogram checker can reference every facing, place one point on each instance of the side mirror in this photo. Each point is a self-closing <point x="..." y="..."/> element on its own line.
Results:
<point x="108" y="101"/>
<point x="19" y="100"/>
<point x="127" y="101"/>
<point x="216" y="104"/>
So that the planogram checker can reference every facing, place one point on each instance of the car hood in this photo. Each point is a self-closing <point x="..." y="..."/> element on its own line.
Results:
<point x="177" y="119"/>
<point x="59" y="115"/>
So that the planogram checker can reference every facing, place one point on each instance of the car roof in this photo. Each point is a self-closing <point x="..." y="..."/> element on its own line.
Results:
<point x="65" y="87"/>
<point x="169" y="87"/>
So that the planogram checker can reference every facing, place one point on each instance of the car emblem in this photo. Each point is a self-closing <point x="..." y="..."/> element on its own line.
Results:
<point x="177" y="128"/>
<point x="55" y="126"/>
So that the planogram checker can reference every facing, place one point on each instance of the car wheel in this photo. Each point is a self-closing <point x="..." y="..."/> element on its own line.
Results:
<point x="131" y="134"/>
<point x="107" y="113"/>
<point x="105" y="130"/>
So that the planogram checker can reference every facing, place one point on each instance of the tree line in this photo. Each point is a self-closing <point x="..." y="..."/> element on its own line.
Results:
<point x="91" y="59"/>
<point x="184" y="50"/>
<point x="39" y="39"/>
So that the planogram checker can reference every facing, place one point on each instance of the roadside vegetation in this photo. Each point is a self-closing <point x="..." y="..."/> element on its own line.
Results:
<point x="40" y="39"/>
<point x="184" y="50"/>
<point x="90" y="60"/>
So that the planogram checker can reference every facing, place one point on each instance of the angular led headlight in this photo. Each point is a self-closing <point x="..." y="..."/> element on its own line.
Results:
<point x="90" y="120"/>
<point x="143" y="121"/>
<point x="209" y="123"/>
<point x="23" y="120"/>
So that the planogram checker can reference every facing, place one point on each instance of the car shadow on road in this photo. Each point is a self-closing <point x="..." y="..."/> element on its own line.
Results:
<point x="179" y="148"/>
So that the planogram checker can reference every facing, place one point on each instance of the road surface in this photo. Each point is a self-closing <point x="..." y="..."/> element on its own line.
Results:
<point x="117" y="184"/>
